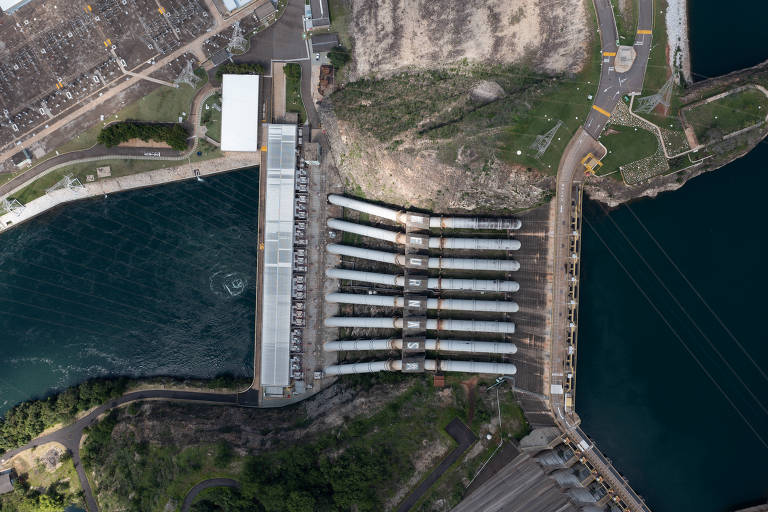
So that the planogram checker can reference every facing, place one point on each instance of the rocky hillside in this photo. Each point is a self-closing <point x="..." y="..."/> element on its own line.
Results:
<point x="394" y="34"/>
<point x="438" y="98"/>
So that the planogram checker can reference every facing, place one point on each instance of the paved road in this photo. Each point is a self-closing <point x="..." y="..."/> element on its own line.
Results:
<point x="614" y="85"/>
<point x="206" y="484"/>
<point x="462" y="435"/>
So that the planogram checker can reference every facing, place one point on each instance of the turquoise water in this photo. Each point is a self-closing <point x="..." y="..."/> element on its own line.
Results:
<point x="158" y="281"/>
<point x="673" y="379"/>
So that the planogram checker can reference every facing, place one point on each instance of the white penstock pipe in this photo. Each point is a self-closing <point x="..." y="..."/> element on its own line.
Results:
<point x="493" y="306"/>
<point x="444" y="263"/>
<point x="431" y="324"/>
<point x="476" y="347"/>
<point x="439" y="283"/>
<point x="476" y="244"/>
<point x="402" y="217"/>
<point x="429" y="364"/>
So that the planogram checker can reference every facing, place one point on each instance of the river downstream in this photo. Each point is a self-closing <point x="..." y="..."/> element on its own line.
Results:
<point x="157" y="281"/>
<point x="673" y="367"/>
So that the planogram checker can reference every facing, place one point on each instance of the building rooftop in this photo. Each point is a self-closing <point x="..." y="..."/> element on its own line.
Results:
<point x="320" y="15"/>
<point x="240" y="113"/>
<point x="278" y="256"/>
<point x="324" y="42"/>
<point x="6" y="485"/>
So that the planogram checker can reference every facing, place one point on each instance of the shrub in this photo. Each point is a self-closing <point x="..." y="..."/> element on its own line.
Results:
<point x="245" y="68"/>
<point x="175" y="135"/>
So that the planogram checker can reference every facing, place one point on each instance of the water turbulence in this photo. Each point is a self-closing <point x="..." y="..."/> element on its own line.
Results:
<point x="156" y="281"/>
<point x="226" y="284"/>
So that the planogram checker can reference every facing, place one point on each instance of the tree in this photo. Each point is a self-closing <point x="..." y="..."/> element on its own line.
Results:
<point x="339" y="56"/>
<point x="299" y="501"/>
<point x="292" y="71"/>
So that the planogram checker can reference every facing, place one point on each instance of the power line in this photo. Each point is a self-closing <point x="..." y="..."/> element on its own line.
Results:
<point x="696" y="292"/>
<point x="677" y="336"/>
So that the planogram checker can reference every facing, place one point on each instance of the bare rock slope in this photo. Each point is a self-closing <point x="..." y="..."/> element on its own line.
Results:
<point x="395" y="34"/>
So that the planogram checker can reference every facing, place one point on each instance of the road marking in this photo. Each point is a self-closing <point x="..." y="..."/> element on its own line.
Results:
<point x="644" y="32"/>
<point x="609" y="54"/>
<point x="602" y="111"/>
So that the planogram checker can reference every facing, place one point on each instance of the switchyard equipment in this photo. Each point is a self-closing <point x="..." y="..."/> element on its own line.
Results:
<point x="425" y="221"/>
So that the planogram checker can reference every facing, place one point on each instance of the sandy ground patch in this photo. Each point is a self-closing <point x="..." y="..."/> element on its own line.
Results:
<point x="393" y="34"/>
<point x="26" y="460"/>
<point x="138" y="143"/>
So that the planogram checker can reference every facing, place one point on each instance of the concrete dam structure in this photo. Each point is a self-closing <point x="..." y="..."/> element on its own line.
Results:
<point x="420" y="289"/>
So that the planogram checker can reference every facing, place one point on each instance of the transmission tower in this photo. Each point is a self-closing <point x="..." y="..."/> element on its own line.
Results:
<point x="542" y="142"/>
<point x="646" y="104"/>
<point x="237" y="43"/>
<point x="66" y="182"/>
<point x="187" y="76"/>
<point x="11" y="205"/>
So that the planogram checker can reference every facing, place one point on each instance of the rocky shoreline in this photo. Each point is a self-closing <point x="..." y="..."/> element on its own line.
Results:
<point x="676" y="19"/>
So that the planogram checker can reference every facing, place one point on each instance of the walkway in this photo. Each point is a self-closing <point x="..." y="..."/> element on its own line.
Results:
<point x="465" y="438"/>
<point x="206" y="484"/>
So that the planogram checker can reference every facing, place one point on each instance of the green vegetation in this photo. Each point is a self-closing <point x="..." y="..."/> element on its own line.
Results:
<point x="358" y="465"/>
<point x="118" y="167"/>
<point x="175" y="135"/>
<point x="626" y="20"/>
<point x="711" y="121"/>
<point x="628" y="145"/>
<point x="222" y="499"/>
<point x="28" y="419"/>
<point x="339" y="56"/>
<point x="211" y="117"/>
<point x="438" y="105"/>
<point x="42" y="489"/>
<point x="243" y="68"/>
<point x="339" y="14"/>
<point x="293" y="101"/>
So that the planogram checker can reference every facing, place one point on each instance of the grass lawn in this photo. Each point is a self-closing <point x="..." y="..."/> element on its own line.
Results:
<point x="629" y="145"/>
<point x="626" y="21"/>
<point x="212" y="118"/>
<point x="339" y="15"/>
<point x="293" y="93"/>
<point x="712" y="121"/>
<point x="567" y="101"/>
<point x="119" y="168"/>
<point x="163" y="105"/>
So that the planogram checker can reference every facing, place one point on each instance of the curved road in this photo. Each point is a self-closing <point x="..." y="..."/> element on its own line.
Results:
<point x="70" y="435"/>
<point x="206" y="484"/>
<point x="612" y="87"/>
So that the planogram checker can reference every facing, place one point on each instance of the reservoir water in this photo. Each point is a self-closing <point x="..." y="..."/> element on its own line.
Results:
<point x="158" y="281"/>
<point x="673" y="377"/>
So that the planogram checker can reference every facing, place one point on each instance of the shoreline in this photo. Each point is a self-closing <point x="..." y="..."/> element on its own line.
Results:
<point x="104" y="187"/>
<point x="676" y="19"/>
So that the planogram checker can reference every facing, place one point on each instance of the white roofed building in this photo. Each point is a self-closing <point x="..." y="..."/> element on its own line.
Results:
<point x="240" y="113"/>
<point x="278" y="258"/>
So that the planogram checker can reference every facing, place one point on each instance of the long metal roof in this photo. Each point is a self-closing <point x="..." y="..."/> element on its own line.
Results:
<point x="278" y="255"/>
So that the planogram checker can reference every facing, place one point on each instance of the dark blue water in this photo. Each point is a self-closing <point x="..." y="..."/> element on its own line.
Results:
<point x="726" y="36"/>
<point x="668" y="410"/>
<point x="675" y="390"/>
<point x="157" y="281"/>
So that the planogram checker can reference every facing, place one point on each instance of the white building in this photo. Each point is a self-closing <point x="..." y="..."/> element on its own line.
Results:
<point x="278" y="258"/>
<point x="240" y="113"/>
